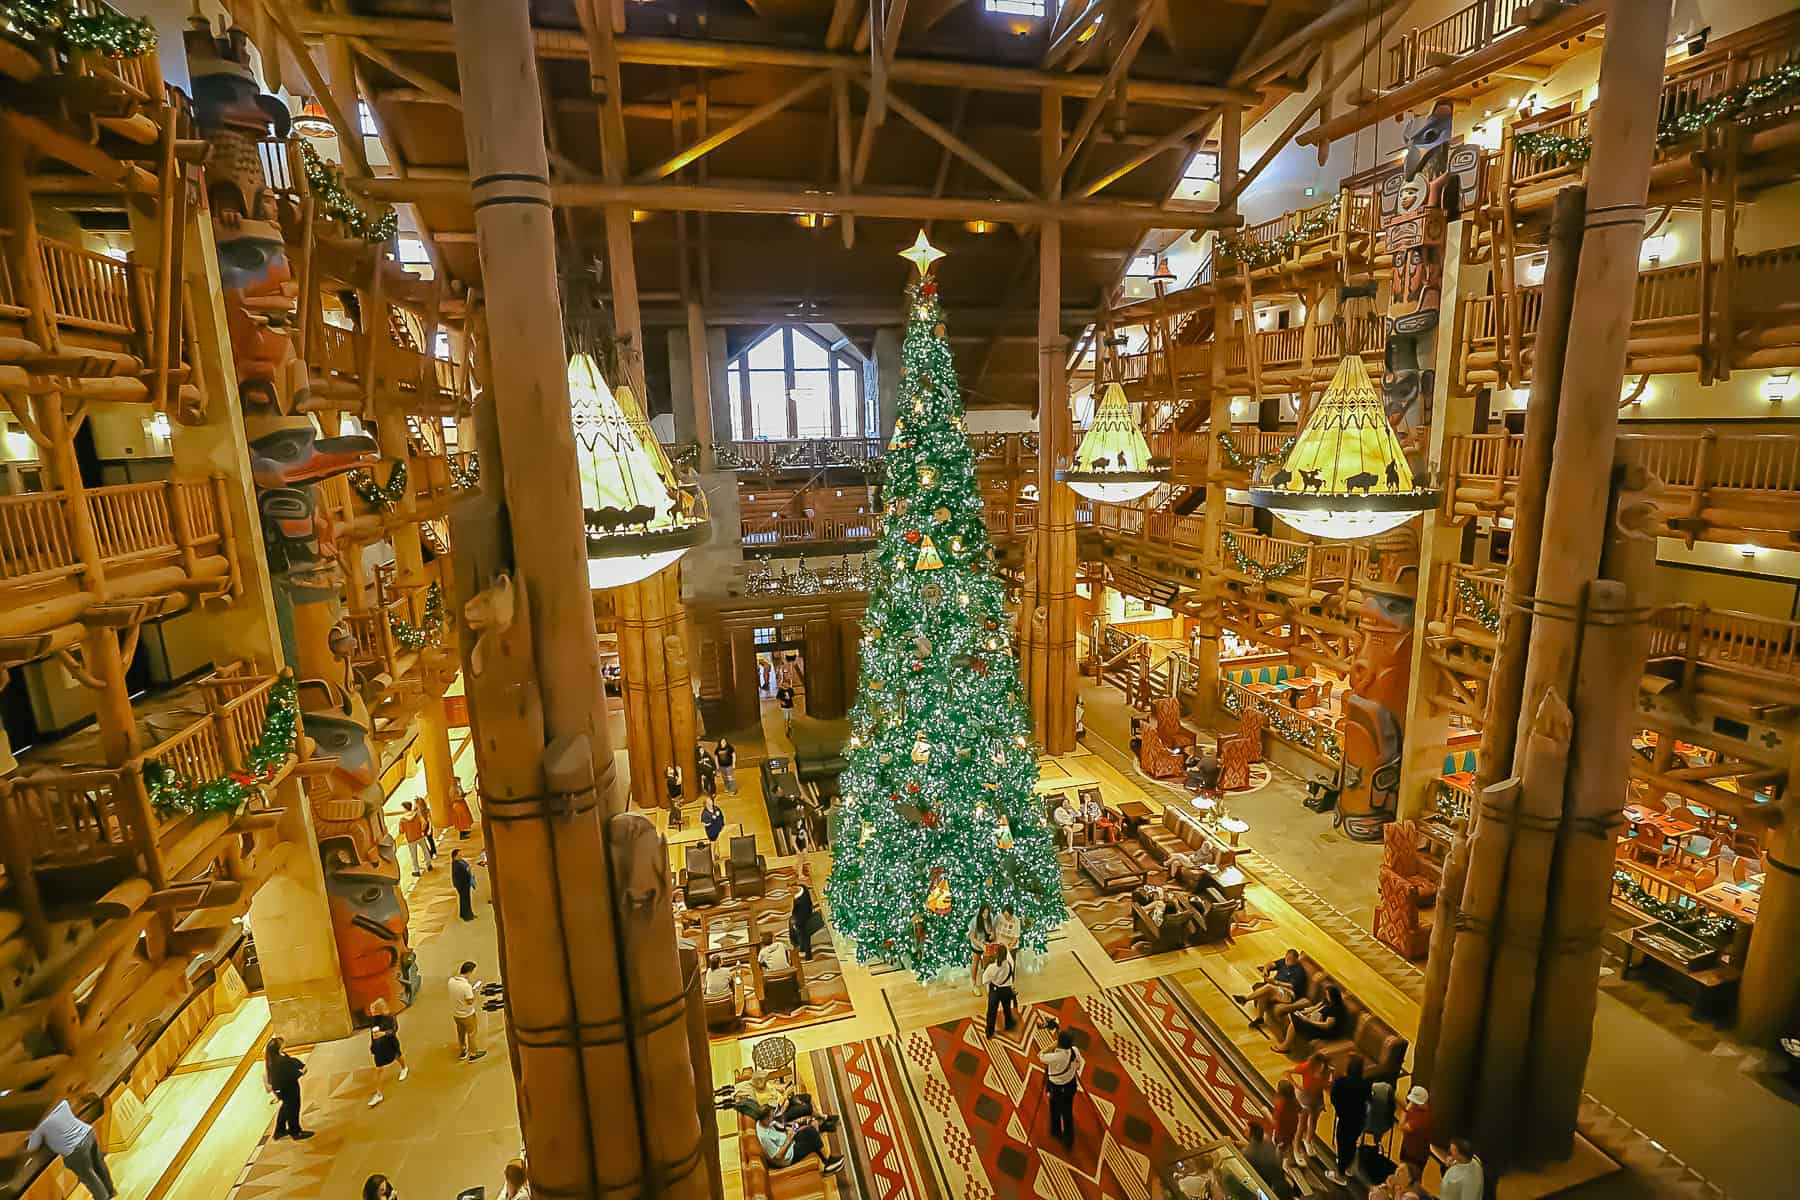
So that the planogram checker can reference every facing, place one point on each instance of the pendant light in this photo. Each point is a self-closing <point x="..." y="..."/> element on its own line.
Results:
<point x="1346" y="476"/>
<point x="639" y="520"/>
<point x="311" y="122"/>
<point x="1113" y="464"/>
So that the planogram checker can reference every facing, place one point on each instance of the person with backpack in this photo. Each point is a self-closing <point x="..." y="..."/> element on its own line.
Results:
<point x="1062" y="1065"/>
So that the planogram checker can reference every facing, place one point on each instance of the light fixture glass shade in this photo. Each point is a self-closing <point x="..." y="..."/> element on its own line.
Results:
<point x="1112" y="464"/>
<point x="311" y="122"/>
<point x="1346" y="476"/>
<point x="638" y="521"/>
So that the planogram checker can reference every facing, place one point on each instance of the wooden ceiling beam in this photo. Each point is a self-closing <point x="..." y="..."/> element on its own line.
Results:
<point x="955" y="145"/>
<point x="840" y="107"/>
<point x="1115" y="78"/>
<point x="677" y="198"/>
<point x="743" y="124"/>
<point x="1195" y="128"/>
<point x="1071" y="23"/>
<point x="423" y="35"/>
<point x="349" y="132"/>
<point x="1312" y="34"/>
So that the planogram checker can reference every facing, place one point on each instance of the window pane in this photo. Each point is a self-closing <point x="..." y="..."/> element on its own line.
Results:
<point x="768" y="403"/>
<point x="808" y="354"/>
<point x="849" y="403"/>
<point x="812" y="403"/>
<point x="767" y="355"/>
<point x="734" y="387"/>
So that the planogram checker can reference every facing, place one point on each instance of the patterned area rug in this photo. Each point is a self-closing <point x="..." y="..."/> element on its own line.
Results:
<point x="1108" y="915"/>
<point x="822" y="978"/>
<point x="947" y="1112"/>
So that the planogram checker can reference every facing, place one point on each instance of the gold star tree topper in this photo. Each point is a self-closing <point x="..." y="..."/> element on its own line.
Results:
<point x="922" y="254"/>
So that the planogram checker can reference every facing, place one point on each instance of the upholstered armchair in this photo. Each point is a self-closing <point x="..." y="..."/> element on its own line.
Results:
<point x="700" y="881"/>
<point x="1155" y="758"/>
<point x="1171" y="934"/>
<point x="1406" y="894"/>
<point x="746" y="868"/>
<point x="1166" y="712"/>
<point x="782" y="990"/>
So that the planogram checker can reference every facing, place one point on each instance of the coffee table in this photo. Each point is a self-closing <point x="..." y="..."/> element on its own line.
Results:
<point x="1111" y="869"/>
<point x="1134" y="813"/>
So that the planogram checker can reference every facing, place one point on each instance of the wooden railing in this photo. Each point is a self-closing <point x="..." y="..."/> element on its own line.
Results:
<point x="1003" y="520"/>
<point x="134" y="71"/>
<point x="333" y="351"/>
<point x="797" y="453"/>
<point x="36" y="543"/>
<point x="1461" y="613"/>
<point x="131" y="521"/>
<point x="87" y="290"/>
<point x="765" y="531"/>
<point x="66" y="817"/>
<point x="1316" y="737"/>
<point x="1463" y="32"/>
<point x="1726" y="640"/>
<point x="1746" y="462"/>
<point x="1319" y="563"/>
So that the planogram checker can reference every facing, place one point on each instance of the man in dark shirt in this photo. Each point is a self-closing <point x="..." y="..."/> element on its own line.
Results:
<point x="1350" y="1101"/>
<point x="1284" y="982"/>
<point x="462" y="878"/>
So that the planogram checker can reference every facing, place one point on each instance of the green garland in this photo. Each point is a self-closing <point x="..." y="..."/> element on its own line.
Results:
<point x="1243" y="462"/>
<point x="427" y="632"/>
<point x="1477" y="605"/>
<point x="1712" y="927"/>
<point x="375" y="495"/>
<point x="1256" y="570"/>
<point x="1734" y="104"/>
<point x="170" y="793"/>
<point x="1257" y="255"/>
<point x="327" y="184"/>
<point x="107" y="32"/>
<point x="465" y="478"/>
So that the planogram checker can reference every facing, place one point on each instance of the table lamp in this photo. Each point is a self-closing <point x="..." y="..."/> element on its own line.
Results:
<point x="1234" y="826"/>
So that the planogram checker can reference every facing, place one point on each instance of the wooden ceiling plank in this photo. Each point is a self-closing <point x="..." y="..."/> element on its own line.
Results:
<point x="958" y="147"/>
<point x="349" y="132"/>
<point x="1326" y="25"/>
<point x="840" y="107"/>
<point x="841" y="13"/>
<point x="785" y="200"/>
<point x="1115" y="76"/>
<point x="743" y="124"/>
<point x="1180" y="138"/>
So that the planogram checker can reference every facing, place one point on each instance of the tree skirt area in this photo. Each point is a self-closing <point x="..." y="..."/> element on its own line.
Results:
<point x="945" y="1112"/>
<point x="826" y="996"/>
<point x="1107" y="915"/>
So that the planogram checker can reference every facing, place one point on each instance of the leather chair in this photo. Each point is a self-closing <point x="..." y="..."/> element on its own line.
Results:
<point x="1383" y="1050"/>
<point x="1172" y="934"/>
<point x="1212" y="915"/>
<point x="805" y="1180"/>
<point x="699" y="880"/>
<point x="1166" y="712"/>
<point x="721" y="1013"/>
<point x="1155" y="759"/>
<point x="746" y="868"/>
<point x="783" y="991"/>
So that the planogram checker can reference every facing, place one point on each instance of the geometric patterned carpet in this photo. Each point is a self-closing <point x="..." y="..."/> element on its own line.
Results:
<point x="1108" y="915"/>
<point x="946" y="1112"/>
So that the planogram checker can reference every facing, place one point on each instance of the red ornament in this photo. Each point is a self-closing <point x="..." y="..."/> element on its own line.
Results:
<point x="912" y="787"/>
<point x="918" y="666"/>
<point x="893" y="795"/>
<point x="929" y="820"/>
<point x="929" y="288"/>
<point x="912" y="535"/>
<point x="979" y="665"/>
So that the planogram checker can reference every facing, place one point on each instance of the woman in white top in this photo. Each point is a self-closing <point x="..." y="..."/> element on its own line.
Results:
<point x="1062" y="1071"/>
<point x="1006" y="929"/>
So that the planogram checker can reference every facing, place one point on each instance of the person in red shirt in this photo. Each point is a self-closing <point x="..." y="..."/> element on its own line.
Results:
<point x="1315" y="1079"/>
<point x="1416" y="1130"/>
<point x="1285" y="1118"/>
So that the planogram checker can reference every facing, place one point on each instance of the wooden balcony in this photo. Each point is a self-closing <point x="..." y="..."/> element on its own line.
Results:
<point x="797" y="454"/>
<point x="152" y="540"/>
<point x="1281" y="360"/>
<point x="778" y="531"/>
<point x="1732" y="655"/>
<point x="1738" y="488"/>
<point x="118" y="94"/>
<point x="1284" y="564"/>
<point x="1685" y="319"/>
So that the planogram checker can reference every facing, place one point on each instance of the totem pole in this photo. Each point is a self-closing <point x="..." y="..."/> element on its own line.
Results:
<point x="1374" y="710"/>
<point x="252" y="226"/>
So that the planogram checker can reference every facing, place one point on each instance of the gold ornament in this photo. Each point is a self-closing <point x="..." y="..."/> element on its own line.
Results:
<point x="921" y="749"/>
<point x="927" y="477"/>
<point x="1005" y="839"/>
<point x="928" y="557"/>
<point x="942" y="514"/>
<point x="937" y="901"/>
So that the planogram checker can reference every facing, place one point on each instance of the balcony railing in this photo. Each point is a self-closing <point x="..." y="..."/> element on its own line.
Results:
<point x="796" y="454"/>
<point x="1286" y="561"/>
<point x="1462" y="33"/>
<point x="1727" y="641"/>
<point x="134" y="524"/>
<point x="766" y="531"/>
<point x="1317" y="737"/>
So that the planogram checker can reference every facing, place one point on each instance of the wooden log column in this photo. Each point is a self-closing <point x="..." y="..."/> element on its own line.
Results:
<point x="1053" y="677"/>
<point x="824" y="674"/>
<point x="1483" y="1044"/>
<point x="1218" y="399"/>
<point x="656" y="684"/>
<point x="1769" y="992"/>
<point x="605" y="1077"/>
<point x="746" y="688"/>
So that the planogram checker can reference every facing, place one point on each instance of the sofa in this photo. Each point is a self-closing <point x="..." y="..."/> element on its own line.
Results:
<point x="805" y="1180"/>
<point x="700" y="880"/>
<point x="1406" y="893"/>
<point x="1383" y="1050"/>
<point x="1166" y="713"/>
<point x="746" y="868"/>
<point x="1180" y="830"/>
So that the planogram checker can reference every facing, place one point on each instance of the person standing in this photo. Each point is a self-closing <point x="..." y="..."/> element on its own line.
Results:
<point x="727" y="757"/>
<point x="1416" y="1128"/>
<point x="1007" y="929"/>
<point x="706" y="772"/>
<point x="785" y="698"/>
<point x="1285" y="1119"/>
<point x="999" y="979"/>
<point x="513" y="1184"/>
<point x="465" y="1011"/>
<point x="800" y="924"/>
<point x="384" y="1045"/>
<point x="1464" y="1178"/>
<point x="462" y="878"/>
<point x="460" y="816"/>
<point x="1315" y="1077"/>
<point x="430" y="829"/>
<point x="282" y="1072"/>
<point x="1080" y="717"/>
<point x="377" y="1187"/>
<point x="1265" y="1157"/>
<point x="981" y="939"/>
<point x="72" y="1139"/>
<point x="412" y="828"/>
<point x="1062" y="1073"/>
<point x="1350" y="1101"/>
<point x="712" y="823"/>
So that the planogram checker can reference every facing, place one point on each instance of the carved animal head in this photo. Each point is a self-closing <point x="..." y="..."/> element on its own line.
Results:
<point x="640" y="875"/>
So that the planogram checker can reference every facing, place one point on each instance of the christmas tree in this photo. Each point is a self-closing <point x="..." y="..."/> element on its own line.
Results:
<point x="938" y="814"/>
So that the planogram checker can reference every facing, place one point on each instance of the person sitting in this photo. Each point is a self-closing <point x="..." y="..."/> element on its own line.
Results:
<point x="1326" y="1021"/>
<point x="786" y="1143"/>
<point x="1157" y="907"/>
<point x="1283" y="983"/>
<point x="721" y="981"/>
<point x="1403" y="1184"/>
<point x="774" y="955"/>
<point x="1099" y="822"/>
<point x="1067" y="821"/>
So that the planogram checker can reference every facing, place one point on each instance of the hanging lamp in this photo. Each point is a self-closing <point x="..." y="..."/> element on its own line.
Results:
<point x="312" y="123"/>
<point x="1346" y="476"/>
<point x="639" y="520"/>
<point x="1113" y="463"/>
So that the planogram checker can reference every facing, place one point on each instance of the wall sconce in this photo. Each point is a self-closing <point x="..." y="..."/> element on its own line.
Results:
<point x="1777" y="388"/>
<point x="1657" y="248"/>
<point x="640" y="215"/>
<point x="1749" y="550"/>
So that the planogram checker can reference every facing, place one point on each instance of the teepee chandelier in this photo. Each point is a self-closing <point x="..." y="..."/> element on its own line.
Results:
<point x="1346" y="476"/>
<point x="639" y="519"/>
<point x="1113" y="464"/>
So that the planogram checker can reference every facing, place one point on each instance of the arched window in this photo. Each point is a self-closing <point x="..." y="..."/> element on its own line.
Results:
<point x="795" y="382"/>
